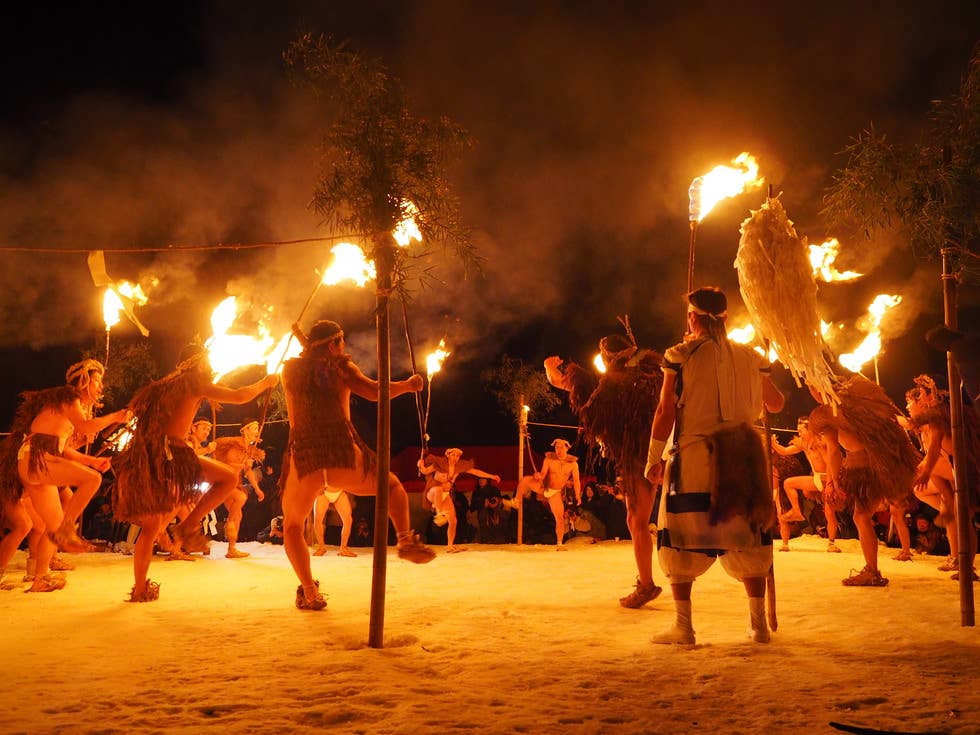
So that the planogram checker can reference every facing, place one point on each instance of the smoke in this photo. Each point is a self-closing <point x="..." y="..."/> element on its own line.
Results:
<point x="590" y="124"/>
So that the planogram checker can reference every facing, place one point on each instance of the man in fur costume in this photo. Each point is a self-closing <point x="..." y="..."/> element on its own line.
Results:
<point x="326" y="450"/>
<point x="718" y="501"/>
<point x="928" y="408"/>
<point x="872" y="463"/>
<point x="37" y="461"/>
<point x="158" y="470"/>
<point x="441" y="474"/>
<point x="240" y="453"/>
<point x="615" y="412"/>
<point x="559" y="469"/>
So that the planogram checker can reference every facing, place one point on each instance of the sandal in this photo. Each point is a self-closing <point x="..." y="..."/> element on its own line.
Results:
<point x="412" y="549"/>
<point x="317" y="602"/>
<point x="47" y="583"/>
<point x="320" y="550"/>
<point x="179" y="556"/>
<point x="640" y="596"/>
<point x="236" y="554"/>
<point x="956" y="577"/>
<point x="865" y="578"/>
<point x="60" y="565"/>
<point x="150" y="593"/>
<point x="903" y="555"/>
<point x="952" y="564"/>
<point x="344" y="551"/>
<point x="833" y="548"/>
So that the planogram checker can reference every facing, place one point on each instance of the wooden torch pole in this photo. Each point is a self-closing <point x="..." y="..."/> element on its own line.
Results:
<point x="385" y="265"/>
<point x="964" y="527"/>
<point x="521" y="430"/>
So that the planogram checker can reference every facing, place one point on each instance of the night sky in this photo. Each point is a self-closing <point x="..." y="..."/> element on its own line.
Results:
<point x="176" y="125"/>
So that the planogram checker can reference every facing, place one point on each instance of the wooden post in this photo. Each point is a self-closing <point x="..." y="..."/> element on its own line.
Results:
<point x="385" y="264"/>
<point x="964" y="527"/>
<point x="521" y="430"/>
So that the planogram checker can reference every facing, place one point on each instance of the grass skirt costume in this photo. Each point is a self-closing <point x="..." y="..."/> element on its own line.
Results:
<point x="882" y="472"/>
<point x="320" y="434"/>
<point x="617" y="411"/>
<point x="31" y="404"/>
<point x="155" y="473"/>
<point x="717" y="500"/>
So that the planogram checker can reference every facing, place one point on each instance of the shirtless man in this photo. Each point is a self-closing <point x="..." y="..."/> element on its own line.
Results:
<point x="812" y="486"/>
<point x="871" y="461"/>
<point x="158" y="469"/>
<point x="442" y="474"/>
<point x="241" y="453"/>
<point x="325" y="449"/>
<point x="558" y="469"/>
<point x="44" y="462"/>
<point x="928" y="409"/>
<point x="341" y="503"/>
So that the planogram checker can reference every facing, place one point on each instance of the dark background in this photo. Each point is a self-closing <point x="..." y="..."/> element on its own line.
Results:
<point x="127" y="129"/>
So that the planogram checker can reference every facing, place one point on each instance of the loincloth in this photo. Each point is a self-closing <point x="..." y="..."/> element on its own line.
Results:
<point x="866" y="491"/>
<point x="35" y="449"/>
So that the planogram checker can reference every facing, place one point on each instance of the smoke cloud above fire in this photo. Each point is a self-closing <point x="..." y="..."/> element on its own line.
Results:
<point x="590" y="122"/>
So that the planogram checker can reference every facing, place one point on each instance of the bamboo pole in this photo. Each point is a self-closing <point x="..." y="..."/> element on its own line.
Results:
<point x="774" y="483"/>
<point x="385" y="264"/>
<point x="964" y="527"/>
<point x="521" y="429"/>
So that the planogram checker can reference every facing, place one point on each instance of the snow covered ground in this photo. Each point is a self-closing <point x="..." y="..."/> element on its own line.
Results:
<point x="499" y="639"/>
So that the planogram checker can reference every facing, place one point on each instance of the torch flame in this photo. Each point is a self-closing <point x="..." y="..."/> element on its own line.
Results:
<point x="287" y="348"/>
<point x="348" y="263"/>
<point x="433" y="361"/>
<point x="111" y="306"/>
<point x="822" y="259"/>
<point x="599" y="363"/>
<point x="228" y="352"/>
<point x="112" y="301"/>
<point x="746" y="335"/>
<point x="408" y="229"/>
<point x="871" y="346"/>
<point x="722" y="182"/>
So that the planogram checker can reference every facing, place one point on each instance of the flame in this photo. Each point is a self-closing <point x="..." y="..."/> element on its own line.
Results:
<point x="871" y="346"/>
<point x="722" y="182"/>
<point x="111" y="306"/>
<point x="599" y="363"/>
<point x="822" y="259"/>
<point x="746" y="335"/>
<point x="112" y="301"/>
<point x="433" y="361"/>
<point x="408" y="229"/>
<point x="285" y="350"/>
<point x="348" y="263"/>
<point x="228" y="352"/>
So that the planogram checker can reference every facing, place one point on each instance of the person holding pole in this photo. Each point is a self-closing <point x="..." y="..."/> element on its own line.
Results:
<point x="325" y="449"/>
<point x="717" y="500"/>
<point x="157" y="471"/>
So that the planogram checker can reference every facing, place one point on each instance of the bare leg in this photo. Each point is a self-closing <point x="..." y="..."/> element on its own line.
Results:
<point x="19" y="522"/>
<point x="904" y="535"/>
<point x="143" y="552"/>
<point x="223" y="480"/>
<point x="297" y="501"/>
<point x="346" y="514"/>
<point x="557" y="506"/>
<point x="639" y="506"/>
<point x="234" y="504"/>
<point x="320" y="508"/>
<point x="867" y="537"/>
